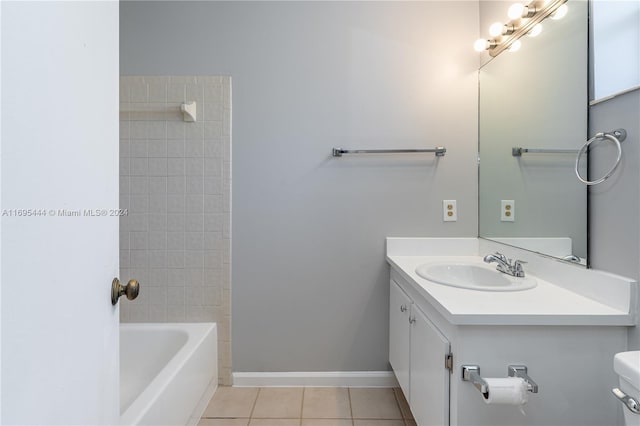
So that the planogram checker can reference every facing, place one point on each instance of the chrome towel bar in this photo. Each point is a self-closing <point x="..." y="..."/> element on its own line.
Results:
<point x="517" y="151"/>
<point x="439" y="151"/>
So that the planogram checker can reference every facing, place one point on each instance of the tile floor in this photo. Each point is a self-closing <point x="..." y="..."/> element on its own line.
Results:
<point x="307" y="406"/>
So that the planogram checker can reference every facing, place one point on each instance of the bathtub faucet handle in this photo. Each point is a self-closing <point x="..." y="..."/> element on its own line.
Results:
<point x="131" y="290"/>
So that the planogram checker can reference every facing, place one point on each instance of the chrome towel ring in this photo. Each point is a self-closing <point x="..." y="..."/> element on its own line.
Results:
<point x="616" y="136"/>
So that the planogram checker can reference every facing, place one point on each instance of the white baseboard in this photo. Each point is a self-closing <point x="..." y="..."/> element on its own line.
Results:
<point x="355" y="379"/>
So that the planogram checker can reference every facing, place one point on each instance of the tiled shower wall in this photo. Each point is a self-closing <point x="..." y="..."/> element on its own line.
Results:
<point x="175" y="182"/>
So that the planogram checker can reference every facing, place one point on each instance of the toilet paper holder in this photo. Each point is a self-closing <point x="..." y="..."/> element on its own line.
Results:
<point x="471" y="373"/>
<point x="521" y="371"/>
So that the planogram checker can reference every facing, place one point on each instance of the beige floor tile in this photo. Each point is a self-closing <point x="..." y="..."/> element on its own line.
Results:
<point x="231" y="402"/>
<point x="274" y="422"/>
<point x="327" y="422"/>
<point x="278" y="403"/>
<point x="326" y="403"/>
<point x="404" y="405"/>
<point x="378" y="423"/>
<point x="374" y="403"/>
<point x="223" y="422"/>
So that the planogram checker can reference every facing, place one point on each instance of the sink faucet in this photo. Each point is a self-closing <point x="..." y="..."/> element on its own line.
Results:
<point x="505" y="265"/>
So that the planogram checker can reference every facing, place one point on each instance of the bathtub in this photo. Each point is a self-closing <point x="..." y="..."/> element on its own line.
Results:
<point x="167" y="372"/>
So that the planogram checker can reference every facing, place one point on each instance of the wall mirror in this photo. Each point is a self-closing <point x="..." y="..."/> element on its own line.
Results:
<point x="536" y="98"/>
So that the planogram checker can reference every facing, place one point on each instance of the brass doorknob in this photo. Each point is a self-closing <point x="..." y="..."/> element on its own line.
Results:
<point x="131" y="290"/>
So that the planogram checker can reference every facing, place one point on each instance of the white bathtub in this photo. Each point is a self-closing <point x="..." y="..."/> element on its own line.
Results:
<point x="167" y="372"/>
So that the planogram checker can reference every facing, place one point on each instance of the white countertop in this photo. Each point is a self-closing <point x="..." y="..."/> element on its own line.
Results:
<point x="546" y="304"/>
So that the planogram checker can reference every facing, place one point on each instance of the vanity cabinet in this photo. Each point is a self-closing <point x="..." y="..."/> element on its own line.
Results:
<point x="572" y="364"/>
<point x="419" y="355"/>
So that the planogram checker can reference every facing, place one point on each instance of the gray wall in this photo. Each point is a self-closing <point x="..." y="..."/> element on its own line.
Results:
<point x="309" y="280"/>
<point x="615" y="204"/>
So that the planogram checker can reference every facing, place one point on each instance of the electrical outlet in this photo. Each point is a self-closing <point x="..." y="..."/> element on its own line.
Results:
<point x="507" y="211"/>
<point x="449" y="211"/>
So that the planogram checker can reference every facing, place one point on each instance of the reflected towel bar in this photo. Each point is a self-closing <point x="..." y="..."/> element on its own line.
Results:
<point x="439" y="151"/>
<point x="517" y="151"/>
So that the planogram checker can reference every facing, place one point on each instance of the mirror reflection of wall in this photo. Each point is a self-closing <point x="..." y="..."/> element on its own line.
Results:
<point x="536" y="98"/>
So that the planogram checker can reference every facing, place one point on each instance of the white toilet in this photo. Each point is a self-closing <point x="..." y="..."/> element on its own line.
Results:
<point x="627" y="366"/>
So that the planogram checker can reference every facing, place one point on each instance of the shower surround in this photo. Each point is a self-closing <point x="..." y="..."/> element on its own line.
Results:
<point x="175" y="182"/>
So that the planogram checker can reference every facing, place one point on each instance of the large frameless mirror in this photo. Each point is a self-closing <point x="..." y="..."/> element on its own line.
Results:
<point x="533" y="120"/>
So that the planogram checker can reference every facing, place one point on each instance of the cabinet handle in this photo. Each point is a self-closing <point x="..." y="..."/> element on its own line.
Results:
<point x="403" y="308"/>
<point x="412" y="320"/>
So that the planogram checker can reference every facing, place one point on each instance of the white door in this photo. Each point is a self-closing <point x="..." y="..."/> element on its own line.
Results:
<point x="429" y="377"/>
<point x="399" y="343"/>
<point x="59" y="172"/>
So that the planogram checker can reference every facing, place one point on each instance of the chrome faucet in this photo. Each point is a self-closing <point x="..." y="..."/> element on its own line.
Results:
<point x="505" y="265"/>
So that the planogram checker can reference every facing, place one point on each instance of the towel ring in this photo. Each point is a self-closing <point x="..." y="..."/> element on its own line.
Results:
<point x="616" y="137"/>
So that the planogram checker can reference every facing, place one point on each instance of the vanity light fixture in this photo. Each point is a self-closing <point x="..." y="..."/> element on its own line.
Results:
<point x="560" y="12"/>
<point x="535" y="31"/>
<point x="524" y="19"/>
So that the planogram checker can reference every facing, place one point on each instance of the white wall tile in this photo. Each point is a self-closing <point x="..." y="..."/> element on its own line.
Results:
<point x="163" y="163"/>
<point x="194" y="223"/>
<point x="139" y="185"/>
<point x="157" y="202"/>
<point x="175" y="258"/>
<point x="157" y="88"/>
<point x="175" y="296"/>
<point x="194" y="185"/>
<point x="158" y="277"/>
<point x="157" y="258"/>
<point x="138" y="129"/>
<point x="139" y="167"/>
<point x="194" y="166"/>
<point x="157" y="185"/>
<point x="194" y="131"/>
<point x="157" y="166"/>
<point x="194" y="203"/>
<point x="194" y="277"/>
<point x="175" y="222"/>
<point x="176" y="185"/>
<point x="175" y="240"/>
<point x="176" y="129"/>
<point x="175" y="277"/>
<point x="175" y="166"/>
<point x="157" y="148"/>
<point x="139" y="240"/>
<point x="157" y="222"/>
<point x="157" y="240"/>
<point x="175" y="203"/>
<point x="194" y="148"/>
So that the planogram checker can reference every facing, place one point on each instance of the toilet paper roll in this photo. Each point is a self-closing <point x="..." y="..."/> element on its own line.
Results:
<point x="507" y="391"/>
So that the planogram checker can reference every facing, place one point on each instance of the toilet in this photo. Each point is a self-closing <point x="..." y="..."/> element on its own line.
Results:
<point x="627" y="367"/>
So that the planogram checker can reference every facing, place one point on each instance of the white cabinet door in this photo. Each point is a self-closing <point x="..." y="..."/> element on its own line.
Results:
<point x="59" y="249"/>
<point x="399" y="309"/>
<point x="429" y="394"/>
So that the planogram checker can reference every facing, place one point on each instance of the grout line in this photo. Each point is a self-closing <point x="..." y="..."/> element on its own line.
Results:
<point x="395" y="395"/>
<point x="255" y="402"/>
<point x="350" y="406"/>
<point x="302" y="406"/>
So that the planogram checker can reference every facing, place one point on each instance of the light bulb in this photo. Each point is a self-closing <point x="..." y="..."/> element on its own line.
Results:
<point x="480" y="45"/>
<point x="496" y="29"/>
<point x="515" y="46"/>
<point x="515" y="11"/>
<point x="535" y="31"/>
<point x="560" y="12"/>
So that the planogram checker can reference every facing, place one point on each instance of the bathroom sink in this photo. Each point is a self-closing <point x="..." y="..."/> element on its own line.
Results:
<point x="472" y="276"/>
